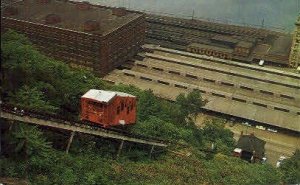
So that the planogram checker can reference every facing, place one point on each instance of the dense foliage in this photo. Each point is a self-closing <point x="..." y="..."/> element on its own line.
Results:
<point x="291" y="169"/>
<point x="37" y="82"/>
<point x="48" y="84"/>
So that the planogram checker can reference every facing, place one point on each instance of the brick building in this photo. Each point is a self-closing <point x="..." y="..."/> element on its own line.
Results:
<point x="94" y="37"/>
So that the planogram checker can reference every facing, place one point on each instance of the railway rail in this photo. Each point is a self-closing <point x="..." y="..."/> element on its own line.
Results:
<point x="54" y="121"/>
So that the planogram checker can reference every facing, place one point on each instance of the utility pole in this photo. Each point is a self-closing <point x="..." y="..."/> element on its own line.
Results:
<point x="193" y="14"/>
<point x="263" y="23"/>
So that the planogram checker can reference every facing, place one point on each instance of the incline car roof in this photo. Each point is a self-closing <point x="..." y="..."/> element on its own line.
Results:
<point x="104" y="96"/>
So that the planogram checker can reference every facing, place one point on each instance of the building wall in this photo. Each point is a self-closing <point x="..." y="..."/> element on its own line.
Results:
<point x="67" y="45"/>
<point x="121" y="44"/>
<point x="242" y="51"/>
<point x="93" y="52"/>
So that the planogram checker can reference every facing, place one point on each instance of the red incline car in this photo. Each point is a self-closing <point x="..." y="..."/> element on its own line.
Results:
<point x="108" y="108"/>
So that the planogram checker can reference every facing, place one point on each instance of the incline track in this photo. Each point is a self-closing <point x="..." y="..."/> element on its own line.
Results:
<point x="42" y="120"/>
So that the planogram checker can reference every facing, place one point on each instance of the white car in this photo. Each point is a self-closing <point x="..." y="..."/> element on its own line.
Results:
<point x="281" y="158"/>
<point x="246" y="123"/>
<point x="260" y="127"/>
<point x="272" y="130"/>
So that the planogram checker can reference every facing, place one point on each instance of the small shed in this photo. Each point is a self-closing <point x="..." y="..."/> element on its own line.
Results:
<point x="108" y="108"/>
<point x="250" y="148"/>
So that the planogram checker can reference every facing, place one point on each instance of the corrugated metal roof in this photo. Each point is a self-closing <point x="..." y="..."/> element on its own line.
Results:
<point x="104" y="96"/>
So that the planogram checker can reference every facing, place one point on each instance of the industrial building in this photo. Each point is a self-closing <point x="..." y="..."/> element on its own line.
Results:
<point x="91" y="36"/>
<point x="261" y="95"/>
<point x="237" y="43"/>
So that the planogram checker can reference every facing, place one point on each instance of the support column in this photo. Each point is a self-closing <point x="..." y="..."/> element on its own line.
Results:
<point x="151" y="151"/>
<point x="11" y="125"/>
<point x="120" y="149"/>
<point x="70" y="141"/>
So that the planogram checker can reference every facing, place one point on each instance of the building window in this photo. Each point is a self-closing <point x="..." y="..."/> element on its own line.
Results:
<point x="131" y="106"/>
<point x="122" y="105"/>
<point x="118" y="110"/>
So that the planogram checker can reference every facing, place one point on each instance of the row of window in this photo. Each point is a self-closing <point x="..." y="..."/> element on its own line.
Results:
<point x="120" y="108"/>
<point x="123" y="106"/>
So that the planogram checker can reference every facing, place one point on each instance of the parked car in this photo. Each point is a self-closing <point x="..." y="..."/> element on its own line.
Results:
<point x="260" y="127"/>
<point x="272" y="130"/>
<point x="247" y="124"/>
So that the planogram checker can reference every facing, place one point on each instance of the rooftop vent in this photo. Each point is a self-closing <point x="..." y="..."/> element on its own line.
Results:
<point x="84" y="5"/>
<point x="52" y="19"/>
<point x="43" y="1"/>
<point x="9" y="11"/>
<point x="91" y="25"/>
<point x="119" y="12"/>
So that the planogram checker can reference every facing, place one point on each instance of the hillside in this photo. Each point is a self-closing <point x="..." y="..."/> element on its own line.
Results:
<point x="34" y="82"/>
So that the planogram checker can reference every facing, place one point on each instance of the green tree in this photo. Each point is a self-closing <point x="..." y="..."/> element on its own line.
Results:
<point x="234" y="171"/>
<point x="31" y="98"/>
<point x="190" y="105"/>
<point x="28" y="71"/>
<point x="214" y="131"/>
<point x="148" y="105"/>
<point x="29" y="141"/>
<point x="291" y="169"/>
<point x="13" y="36"/>
<point x="31" y="150"/>
<point x="156" y="127"/>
